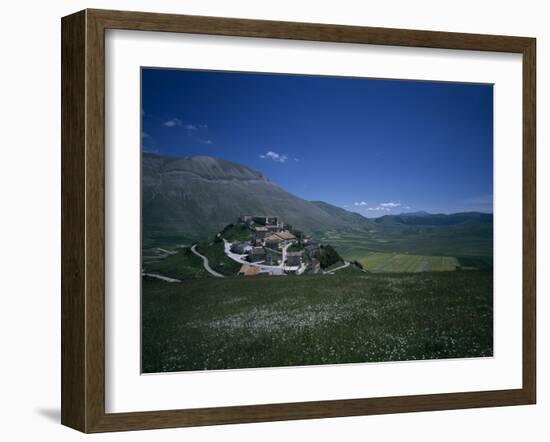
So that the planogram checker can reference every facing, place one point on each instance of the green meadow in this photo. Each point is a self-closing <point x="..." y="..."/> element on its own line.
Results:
<point x="351" y="317"/>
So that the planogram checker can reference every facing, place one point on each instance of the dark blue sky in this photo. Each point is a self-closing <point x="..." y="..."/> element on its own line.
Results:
<point x="368" y="145"/>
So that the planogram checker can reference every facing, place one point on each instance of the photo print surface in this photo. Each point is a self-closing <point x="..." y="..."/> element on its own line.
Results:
<point x="295" y="220"/>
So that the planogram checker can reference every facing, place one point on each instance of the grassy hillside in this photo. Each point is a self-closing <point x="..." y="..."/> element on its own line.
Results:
<point x="237" y="232"/>
<point x="307" y="320"/>
<point x="182" y="265"/>
<point x="353" y="220"/>
<point x="191" y="198"/>
<point x="217" y="258"/>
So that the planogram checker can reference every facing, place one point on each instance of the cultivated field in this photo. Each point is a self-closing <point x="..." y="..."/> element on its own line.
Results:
<point x="423" y="242"/>
<point x="211" y="323"/>
<point x="397" y="262"/>
<point x="379" y="251"/>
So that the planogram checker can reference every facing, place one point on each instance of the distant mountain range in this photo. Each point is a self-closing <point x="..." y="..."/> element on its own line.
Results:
<point x="194" y="197"/>
<point x="419" y="213"/>
<point x="191" y="198"/>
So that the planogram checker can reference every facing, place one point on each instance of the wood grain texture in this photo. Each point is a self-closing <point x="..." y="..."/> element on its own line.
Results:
<point x="95" y="222"/>
<point x="73" y="253"/>
<point x="83" y="220"/>
<point x="145" y="21"/>
<point x="529" y="221"/>
<point x="308" y="410"/>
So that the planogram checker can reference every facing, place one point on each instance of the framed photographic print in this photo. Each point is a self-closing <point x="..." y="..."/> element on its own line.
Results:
<point x="269" y="220"/>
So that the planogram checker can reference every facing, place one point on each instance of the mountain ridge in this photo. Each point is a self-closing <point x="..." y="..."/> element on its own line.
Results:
<point x="194" y="197"/>
<point x="191" y="198"/>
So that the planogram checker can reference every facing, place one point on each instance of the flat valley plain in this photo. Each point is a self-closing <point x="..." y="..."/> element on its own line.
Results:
<point x="391" y="246"/>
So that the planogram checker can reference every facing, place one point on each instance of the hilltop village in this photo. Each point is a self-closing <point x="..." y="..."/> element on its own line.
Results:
<point x="267" y="245"/>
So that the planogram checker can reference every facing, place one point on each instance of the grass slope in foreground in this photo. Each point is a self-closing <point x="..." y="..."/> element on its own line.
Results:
<point x="308" y="320"/>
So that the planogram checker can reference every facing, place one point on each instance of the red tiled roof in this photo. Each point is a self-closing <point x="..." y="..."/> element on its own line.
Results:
<point x="281" y="236"/>
<point x="248" y="270"/>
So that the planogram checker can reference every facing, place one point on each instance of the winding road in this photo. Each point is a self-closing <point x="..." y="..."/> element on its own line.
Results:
<point x="205" y="263"/>
<point x="161" y="277"/>
<point x="330" y="272"/>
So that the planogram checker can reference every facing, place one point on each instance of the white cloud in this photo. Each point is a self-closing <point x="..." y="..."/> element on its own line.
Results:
<point x="199" y="132"/>
<point x="279" y="158"/>
<point x="145" y="135"/>
<point x="379" y="209"/>
<point x="383" y="207"/>
<point x="174" y="122"/>
<point x="390" y="205"/>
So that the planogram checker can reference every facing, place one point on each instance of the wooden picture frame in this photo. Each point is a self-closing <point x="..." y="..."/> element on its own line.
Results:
<point x="83" y="220"/>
